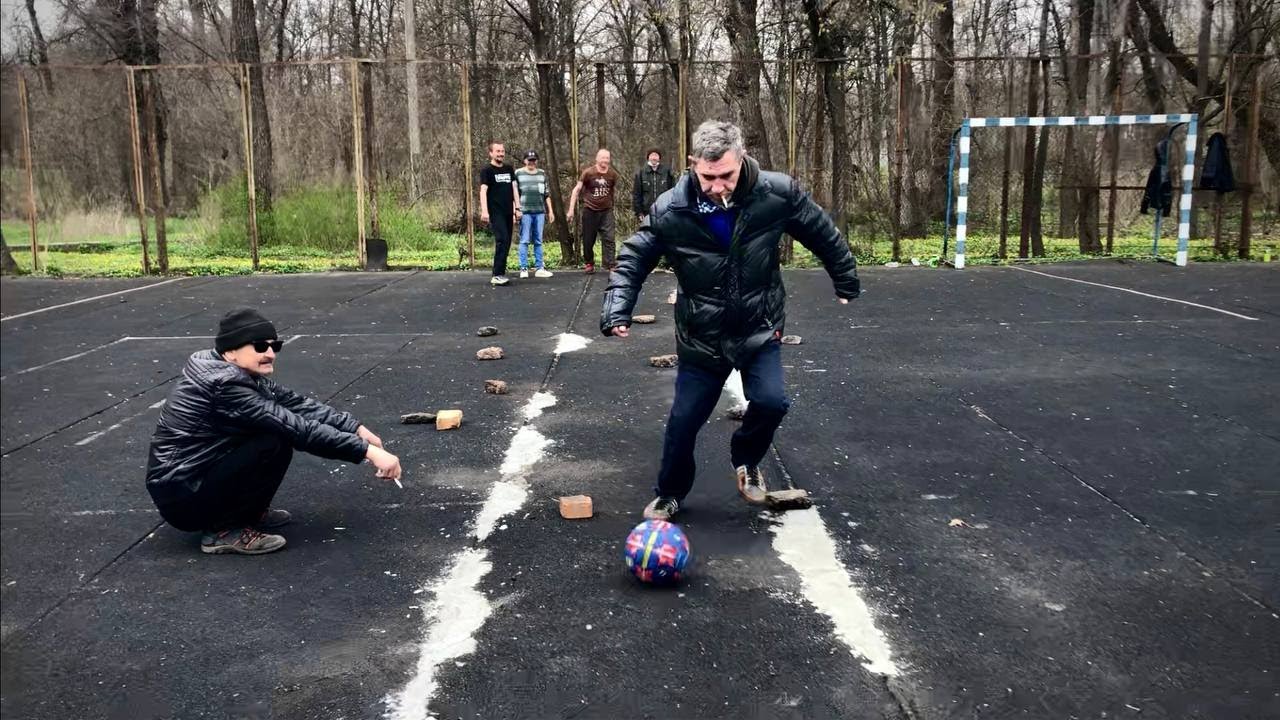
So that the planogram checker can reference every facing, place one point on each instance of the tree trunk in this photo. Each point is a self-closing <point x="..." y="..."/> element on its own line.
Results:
<point x="411" y="87"/>
<point x="1030" y="202"/>
<point x="1083" y="165"/>
<point x="245" y="49"/>
<point x="568" y="248"/>
<point x="7" y="264"/>
<point x="943" y="123"/>
<point x="40" y="47"/>
<point x="743" y="87"/>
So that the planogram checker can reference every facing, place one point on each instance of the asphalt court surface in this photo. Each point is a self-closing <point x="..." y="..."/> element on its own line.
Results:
<point x="1042" y="491"/>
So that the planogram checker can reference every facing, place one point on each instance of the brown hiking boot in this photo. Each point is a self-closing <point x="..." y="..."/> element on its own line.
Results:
<point x="751" y="485"/>
<point x="246" y="541"/>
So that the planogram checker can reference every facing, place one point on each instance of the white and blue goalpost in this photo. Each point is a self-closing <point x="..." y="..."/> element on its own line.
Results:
<point x="1188" y="167"/>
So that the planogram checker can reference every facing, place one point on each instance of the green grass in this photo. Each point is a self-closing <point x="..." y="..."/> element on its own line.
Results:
<point x="441" y="253"/>
<point x="314" y="229"/>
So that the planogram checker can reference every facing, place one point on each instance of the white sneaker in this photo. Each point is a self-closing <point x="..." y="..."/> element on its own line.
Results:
<point x="498" y="280"/>
<point x="543" y="273"/>
<point x="524" y="274"/>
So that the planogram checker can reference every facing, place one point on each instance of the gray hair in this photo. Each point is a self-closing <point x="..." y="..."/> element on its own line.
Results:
<point x="714" y="138"/>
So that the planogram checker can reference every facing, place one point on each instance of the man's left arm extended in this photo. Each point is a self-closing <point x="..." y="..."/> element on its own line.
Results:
<point x="322" y="413"/>
<point x="638" y="258"/>
<point x="812" y="226"/>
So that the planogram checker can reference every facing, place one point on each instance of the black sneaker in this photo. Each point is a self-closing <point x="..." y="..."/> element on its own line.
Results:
<point x="273" y="518"/>
<point x="246" y="541"/>
<point x="662" y="507"/>
<point x="751" y="485"/>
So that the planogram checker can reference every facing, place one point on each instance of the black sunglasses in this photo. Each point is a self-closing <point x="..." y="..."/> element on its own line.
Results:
<point x="262" y="345"/>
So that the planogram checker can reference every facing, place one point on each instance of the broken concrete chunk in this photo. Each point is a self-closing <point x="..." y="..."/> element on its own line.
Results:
<point x="663" y="361"/>
<point x="448" y="419"/>
<point x="791" y="340"/>
<point x="671" y="299"/>
<point x="575" y="507"/>
<point x="490" y="353"/>
<point x="495" y="387"/>
<point x="418" y="418"/>
<point x="643" y="319"/>
<point x="487" y="331"/>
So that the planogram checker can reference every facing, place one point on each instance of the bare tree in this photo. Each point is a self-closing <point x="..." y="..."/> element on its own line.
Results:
<point x="743" y="89"/>
<point x="244" y="48"/>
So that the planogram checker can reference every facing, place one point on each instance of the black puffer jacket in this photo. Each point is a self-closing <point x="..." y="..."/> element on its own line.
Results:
<point x="217" y="405"/>
<point x="731" y="301"/>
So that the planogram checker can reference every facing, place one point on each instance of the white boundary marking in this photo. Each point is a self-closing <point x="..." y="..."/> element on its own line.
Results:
<point x="130" y="338"/>
<point x="7" y="318"/>
<point x="1136" y="292"/>
<point x="62" y="360"/>
<point x="95" y="435"/>
<point x="802" y="541"/>
<point x="458" y="609"/>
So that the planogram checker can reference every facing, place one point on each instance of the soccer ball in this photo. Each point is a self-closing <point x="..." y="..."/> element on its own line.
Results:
<point x="657" y="552"/>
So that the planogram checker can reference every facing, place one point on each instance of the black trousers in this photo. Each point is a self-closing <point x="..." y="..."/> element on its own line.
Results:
<point x="501" y="224"/>
<point x="697" y="392"/>
<point x="597" y="223"/>
<point x="235" y="492"/>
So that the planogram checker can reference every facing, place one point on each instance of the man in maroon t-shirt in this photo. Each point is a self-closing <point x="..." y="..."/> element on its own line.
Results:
<point x="600" y="183"/>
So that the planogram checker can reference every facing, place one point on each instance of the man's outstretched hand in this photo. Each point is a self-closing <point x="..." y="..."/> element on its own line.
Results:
<point x="388" y="465"/>
<point x="621" y="331"/>
<point x="367" y="435"/>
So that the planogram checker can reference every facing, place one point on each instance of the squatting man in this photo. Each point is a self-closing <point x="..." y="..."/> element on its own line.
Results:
<point x="228" y="432"/>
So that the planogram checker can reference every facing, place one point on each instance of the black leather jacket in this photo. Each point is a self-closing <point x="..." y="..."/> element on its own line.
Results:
<point x="217" y="405"/>
<point x="648" y="186"/>
<point x="731" y="301"/>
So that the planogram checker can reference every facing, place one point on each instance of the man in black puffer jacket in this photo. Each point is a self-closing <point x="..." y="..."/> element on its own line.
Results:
<point x="719" y="229"/>
<point x="226" y="436"/>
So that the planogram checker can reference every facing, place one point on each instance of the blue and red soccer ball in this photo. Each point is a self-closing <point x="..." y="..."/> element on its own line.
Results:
<point x="657" y="552"/>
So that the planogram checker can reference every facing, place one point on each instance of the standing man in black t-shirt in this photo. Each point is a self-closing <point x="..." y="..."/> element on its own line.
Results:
<point x="498" y="208"/>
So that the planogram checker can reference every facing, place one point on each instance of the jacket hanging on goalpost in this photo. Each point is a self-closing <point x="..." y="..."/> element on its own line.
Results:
<point x="1159" y="192"/>
<point x="1216" y="173"/>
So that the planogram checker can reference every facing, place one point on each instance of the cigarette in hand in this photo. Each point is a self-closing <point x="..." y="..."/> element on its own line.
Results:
<point x="397" y="482"/>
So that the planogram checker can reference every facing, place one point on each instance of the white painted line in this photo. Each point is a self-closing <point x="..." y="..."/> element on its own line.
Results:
<point x="62" y="360"/>
<point x="458" y="609"/>
<point x="1136" y="292"/>
<point x="94" y="436"/>
<point x="569" y="342"/>
<point x="801" y="540"/>
<point x="539" y="402"/>
<point x="7" y="318"/>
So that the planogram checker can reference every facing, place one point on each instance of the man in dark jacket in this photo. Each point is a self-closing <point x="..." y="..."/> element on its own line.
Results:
<point x="652" y="179"/>
<point x="226" y="436"/>
<point x="719" y="229"/>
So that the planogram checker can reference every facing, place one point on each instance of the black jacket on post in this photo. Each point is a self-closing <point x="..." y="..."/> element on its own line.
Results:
<point x="1158" y="194"/>
<point x="218" y="405"/>
<point x="731" y="300"/>
<point x="1216" y="173"/>
<point x="648" y="185"/>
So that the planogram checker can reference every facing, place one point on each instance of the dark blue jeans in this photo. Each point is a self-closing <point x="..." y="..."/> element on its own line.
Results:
<point x="697" y="392"/>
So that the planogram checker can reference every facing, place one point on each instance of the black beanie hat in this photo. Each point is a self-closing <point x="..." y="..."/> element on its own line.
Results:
<point x="241" y="327"/>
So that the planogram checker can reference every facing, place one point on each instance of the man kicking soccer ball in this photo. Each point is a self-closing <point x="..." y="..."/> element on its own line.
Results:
<point x="719" y="229"/>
